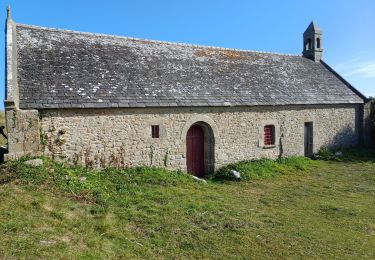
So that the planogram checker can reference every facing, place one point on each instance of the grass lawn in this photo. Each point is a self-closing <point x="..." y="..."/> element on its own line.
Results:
<point x="297" y="208"/>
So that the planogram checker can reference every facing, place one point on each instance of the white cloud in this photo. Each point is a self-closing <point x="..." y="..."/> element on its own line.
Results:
<point x="355" y="68"/>
<point x="366" y="70"/>
<point x="360" y="72"/>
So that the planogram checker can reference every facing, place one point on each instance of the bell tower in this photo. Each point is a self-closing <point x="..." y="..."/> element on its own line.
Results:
<point x="312" y="43"/>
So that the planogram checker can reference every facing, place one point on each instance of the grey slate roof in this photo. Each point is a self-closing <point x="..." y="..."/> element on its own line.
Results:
<point x="65" y="69"/>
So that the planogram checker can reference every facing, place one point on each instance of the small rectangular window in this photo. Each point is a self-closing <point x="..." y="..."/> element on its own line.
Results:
<point x="269" y="135"/>
<point x="155" y="131"/>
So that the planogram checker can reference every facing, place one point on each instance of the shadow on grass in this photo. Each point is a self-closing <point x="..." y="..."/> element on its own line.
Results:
<point x="357" y="154"/>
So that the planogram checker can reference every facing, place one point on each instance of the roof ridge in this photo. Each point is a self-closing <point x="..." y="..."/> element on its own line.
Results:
<point x="154" y="41"/>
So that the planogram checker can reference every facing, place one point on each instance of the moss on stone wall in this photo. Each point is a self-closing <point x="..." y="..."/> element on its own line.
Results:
<point x="122" y="137"/>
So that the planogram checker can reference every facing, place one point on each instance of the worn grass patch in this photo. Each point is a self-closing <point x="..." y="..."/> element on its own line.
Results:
<point x="308" y="209"/>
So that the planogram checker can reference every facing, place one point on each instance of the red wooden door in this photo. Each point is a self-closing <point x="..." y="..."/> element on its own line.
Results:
<point x="195" y="150"/>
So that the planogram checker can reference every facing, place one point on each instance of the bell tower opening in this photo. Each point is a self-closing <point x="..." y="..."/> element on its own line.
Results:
<point x="308" y="45"/>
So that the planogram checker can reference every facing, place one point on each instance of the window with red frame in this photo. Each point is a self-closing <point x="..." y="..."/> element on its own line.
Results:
<point x="269" y="135"/>
<point x="155" y="131"/>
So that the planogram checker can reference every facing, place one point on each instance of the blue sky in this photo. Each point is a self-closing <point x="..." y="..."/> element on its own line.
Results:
<point x="275" y="26"/>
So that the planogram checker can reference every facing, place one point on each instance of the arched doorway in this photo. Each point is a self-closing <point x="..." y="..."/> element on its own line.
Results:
<point x="200" y="149"/>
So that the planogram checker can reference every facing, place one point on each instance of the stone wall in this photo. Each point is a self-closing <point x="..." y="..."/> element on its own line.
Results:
<point x="369" y="123"/>
<point x="23" y="132"/>
<point x="122" y="137"/>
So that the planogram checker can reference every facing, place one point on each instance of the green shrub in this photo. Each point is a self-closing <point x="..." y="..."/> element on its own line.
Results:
<point x="325" y="154"/>
<point x="263" y="168"/>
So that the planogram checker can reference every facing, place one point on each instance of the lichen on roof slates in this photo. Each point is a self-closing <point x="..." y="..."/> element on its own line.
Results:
<point x="65" y="69"/>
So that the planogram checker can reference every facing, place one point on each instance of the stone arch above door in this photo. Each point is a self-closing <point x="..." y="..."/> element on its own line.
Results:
<point x="200" y="118"/>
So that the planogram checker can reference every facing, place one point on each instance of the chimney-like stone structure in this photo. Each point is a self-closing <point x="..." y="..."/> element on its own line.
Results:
<point x="22" y="125"/>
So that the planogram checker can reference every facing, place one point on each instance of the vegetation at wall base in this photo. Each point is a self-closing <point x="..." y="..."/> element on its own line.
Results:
<point x="356" y="154"/>
<point x="263" y="168"/>
<point x="288" y="208"/>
